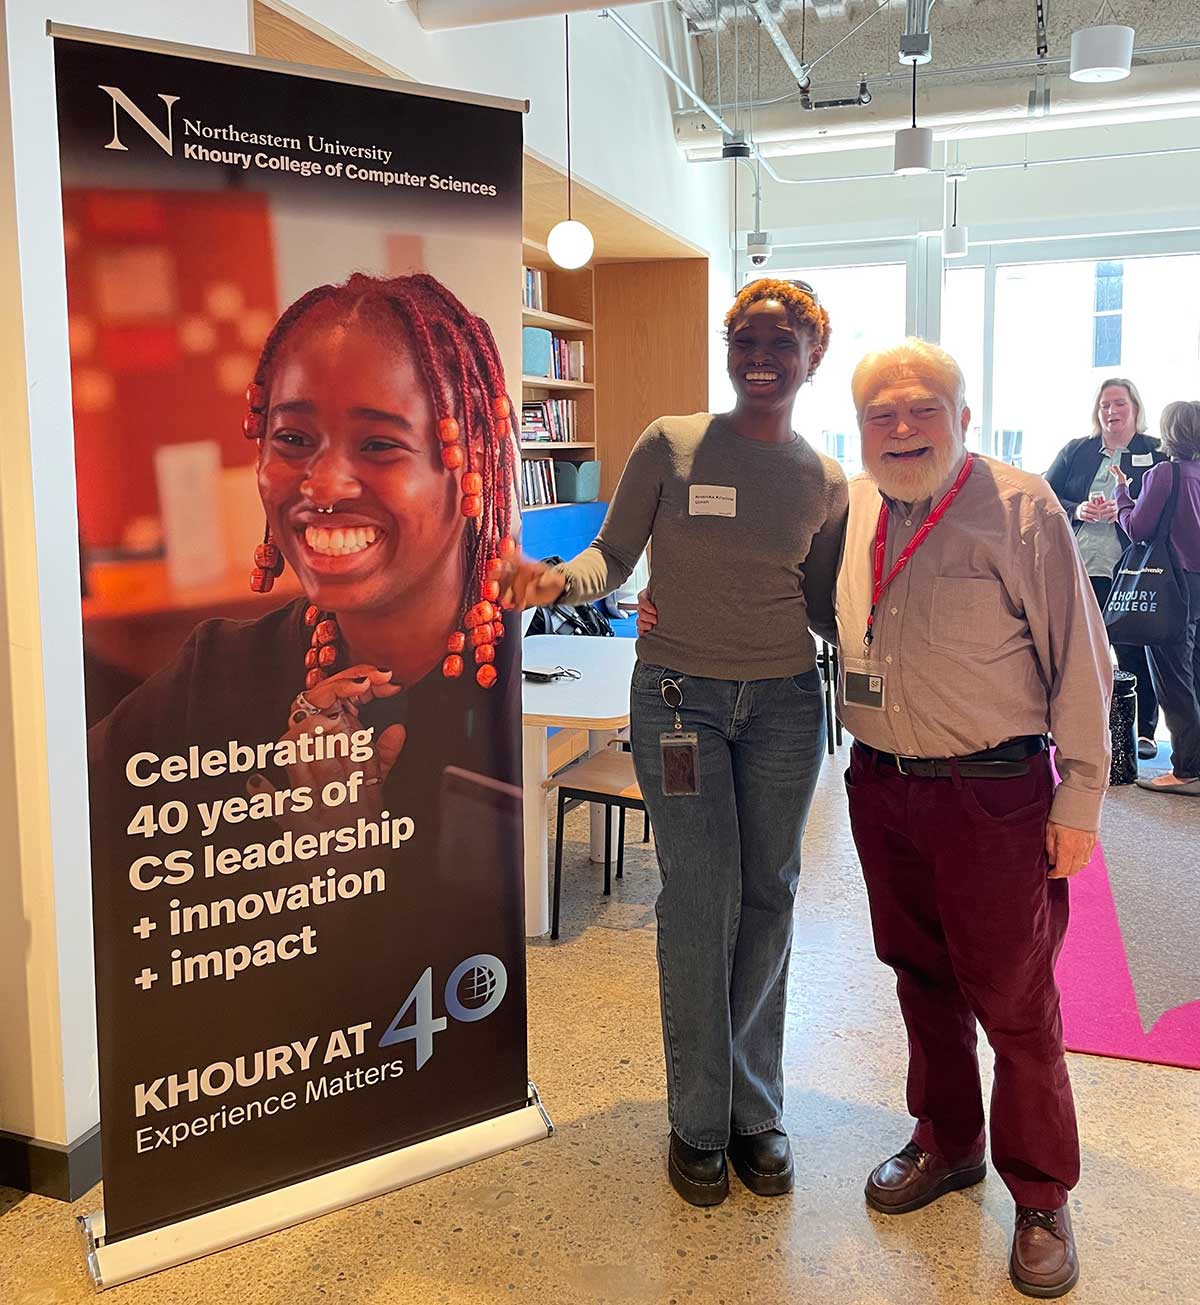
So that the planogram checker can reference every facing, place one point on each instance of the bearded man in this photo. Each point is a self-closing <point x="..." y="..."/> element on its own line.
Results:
<point x="969" y="633"/>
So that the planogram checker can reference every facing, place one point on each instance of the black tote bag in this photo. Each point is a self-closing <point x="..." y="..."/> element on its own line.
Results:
<point x="1148" y="605"/>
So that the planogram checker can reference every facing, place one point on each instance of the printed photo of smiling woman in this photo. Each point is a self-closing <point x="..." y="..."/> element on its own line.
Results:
<point x="385" y="466"/>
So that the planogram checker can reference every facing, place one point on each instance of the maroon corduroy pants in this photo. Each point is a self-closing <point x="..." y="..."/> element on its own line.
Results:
<point x="963" y="911"/>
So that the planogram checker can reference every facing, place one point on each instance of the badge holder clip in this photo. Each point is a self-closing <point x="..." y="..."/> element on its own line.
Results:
<point x="679" y="749"/>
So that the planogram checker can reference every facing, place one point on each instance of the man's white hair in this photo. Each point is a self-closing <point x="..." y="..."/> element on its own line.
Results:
<point x="912" y="358"/>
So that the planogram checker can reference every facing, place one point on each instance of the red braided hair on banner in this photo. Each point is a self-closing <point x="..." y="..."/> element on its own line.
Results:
<point x="458" y="357"/>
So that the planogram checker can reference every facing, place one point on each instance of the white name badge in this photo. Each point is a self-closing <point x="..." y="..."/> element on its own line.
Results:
<point x="1143" y="459"/>
<point x="712" y="501"/>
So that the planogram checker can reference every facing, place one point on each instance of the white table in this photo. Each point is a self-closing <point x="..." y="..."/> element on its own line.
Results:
<point x="598" y="702"/>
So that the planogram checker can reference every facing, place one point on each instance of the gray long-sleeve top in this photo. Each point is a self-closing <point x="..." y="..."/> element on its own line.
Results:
<point x="745" y="540"/>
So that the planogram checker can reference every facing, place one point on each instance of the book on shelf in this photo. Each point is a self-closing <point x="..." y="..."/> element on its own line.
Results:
<point x="550" y="420"/>
<point x="545" y="354"/>
<point x="537" y="482"/>
<point x="533" y="293"/>
<point x="568" y="360"/>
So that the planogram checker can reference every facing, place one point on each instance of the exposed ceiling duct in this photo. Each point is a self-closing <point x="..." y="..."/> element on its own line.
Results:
<point x="445" y="15"/>
<point x="975" y="109"/>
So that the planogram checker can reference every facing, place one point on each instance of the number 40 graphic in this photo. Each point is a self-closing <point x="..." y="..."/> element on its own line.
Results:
<point x="488" y="982"/>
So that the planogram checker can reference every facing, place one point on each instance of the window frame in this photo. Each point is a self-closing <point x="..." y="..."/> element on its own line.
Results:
<point x="926" y="268"/>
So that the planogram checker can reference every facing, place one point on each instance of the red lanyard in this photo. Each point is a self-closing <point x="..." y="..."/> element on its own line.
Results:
<point x="923" y="533"/>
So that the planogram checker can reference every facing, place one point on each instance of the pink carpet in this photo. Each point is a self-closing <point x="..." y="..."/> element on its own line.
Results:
<point x="1099" y="1012"/>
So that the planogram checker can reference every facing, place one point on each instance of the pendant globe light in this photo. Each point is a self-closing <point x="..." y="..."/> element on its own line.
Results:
<point x="914" y="145"/>
<point x="570" y="243"/>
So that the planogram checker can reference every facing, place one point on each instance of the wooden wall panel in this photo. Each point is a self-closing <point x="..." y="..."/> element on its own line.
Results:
<point x="651" y="351"/>
<point x="277" y="36"/>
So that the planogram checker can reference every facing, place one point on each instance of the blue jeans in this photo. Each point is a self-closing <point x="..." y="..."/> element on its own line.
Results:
<point x="1175" y="670"/>
<point x="730" y="860"/>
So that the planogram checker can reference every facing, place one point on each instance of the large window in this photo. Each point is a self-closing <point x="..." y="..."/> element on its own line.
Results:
<point x="867" y="307"/>
<point x="963" y="293"/>
<point x="1036" y="338"/>
<point x="1035" y="327"/>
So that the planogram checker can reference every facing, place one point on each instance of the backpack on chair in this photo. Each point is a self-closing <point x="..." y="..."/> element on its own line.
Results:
<point x="566" y="618"/>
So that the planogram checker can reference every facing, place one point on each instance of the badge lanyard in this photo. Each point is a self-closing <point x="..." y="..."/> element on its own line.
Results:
<point x="680" y="748"/>
<point x="881" y="582"/>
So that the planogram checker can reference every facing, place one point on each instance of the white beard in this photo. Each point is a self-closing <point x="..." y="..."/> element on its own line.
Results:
<point x="912" y="482"/>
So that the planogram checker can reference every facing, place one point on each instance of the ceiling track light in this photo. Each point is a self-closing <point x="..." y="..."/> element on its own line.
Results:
<point x="570" y="244"/>
<point x="913" y="145"/>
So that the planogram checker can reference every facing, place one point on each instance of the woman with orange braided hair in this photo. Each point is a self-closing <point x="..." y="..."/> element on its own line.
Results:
<point x="385" y="467"/>
<point x="727" y="723"/>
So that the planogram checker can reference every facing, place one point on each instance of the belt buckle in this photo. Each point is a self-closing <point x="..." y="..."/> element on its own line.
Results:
<point x="899" y="760"/>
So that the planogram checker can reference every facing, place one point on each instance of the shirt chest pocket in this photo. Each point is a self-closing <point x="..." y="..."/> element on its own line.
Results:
<point x="965" y="614"/>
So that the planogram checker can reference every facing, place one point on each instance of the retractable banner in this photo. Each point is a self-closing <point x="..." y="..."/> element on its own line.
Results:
<point x="290" y="300"/>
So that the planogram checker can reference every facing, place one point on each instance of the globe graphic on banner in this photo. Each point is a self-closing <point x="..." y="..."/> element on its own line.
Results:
<point x="476" y="987"/>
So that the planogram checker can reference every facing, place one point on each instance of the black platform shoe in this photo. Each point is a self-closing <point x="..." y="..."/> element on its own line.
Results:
<point x="763" y="1162"/>
<point x="700" y="1177"/>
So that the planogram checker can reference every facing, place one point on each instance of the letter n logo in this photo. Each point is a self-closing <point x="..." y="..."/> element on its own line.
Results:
<point x="164" y="140"/>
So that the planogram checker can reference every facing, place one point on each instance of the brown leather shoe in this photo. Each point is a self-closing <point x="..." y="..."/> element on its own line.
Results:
<point x="1043" y="1260"/>
<point x="913" y="1178"/>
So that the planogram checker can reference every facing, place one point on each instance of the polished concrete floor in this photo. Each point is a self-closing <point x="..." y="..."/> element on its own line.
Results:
<point x="587" y="1216"/>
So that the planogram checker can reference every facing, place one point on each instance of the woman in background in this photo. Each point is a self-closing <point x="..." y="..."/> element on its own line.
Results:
<point x="1081" y="478"/>
<point x="1175" y="666"/>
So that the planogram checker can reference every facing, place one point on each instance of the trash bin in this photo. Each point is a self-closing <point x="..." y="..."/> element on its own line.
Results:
<point x="1122" y="724"/>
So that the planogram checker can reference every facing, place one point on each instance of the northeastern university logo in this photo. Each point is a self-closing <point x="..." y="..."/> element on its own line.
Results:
<point x="165" y="140"/>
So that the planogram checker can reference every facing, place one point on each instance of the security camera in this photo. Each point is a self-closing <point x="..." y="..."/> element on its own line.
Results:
<point x="758" y="246"/>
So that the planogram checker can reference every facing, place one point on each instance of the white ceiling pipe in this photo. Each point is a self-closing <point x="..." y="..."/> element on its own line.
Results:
<point x="711" y="116"/>
<point x="1013" y="165"/>
<point x="798" y="70"/>
<point x="444" y="15"/>
<point x="999" y="108"/>
<point x="957" y="131"/>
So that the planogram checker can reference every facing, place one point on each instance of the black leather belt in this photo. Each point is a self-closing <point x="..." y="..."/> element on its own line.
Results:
<point x="1006" y="761"/>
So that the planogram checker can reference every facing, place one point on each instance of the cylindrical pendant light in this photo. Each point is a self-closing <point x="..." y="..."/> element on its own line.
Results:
<point x="914" y="150"/>
<point x="914" y="145"/>
<point x="1101" y="54"/>
<point x="954" y="237"/>
<point x="570" y="243"/>
<point x="954" y="242"/>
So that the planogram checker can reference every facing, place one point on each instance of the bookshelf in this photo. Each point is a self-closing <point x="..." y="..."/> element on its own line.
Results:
<point x="565" y="326"/>
<point x="566" y="311"/>
<point x="552" y="386"/>
<point x="643" y="322"/>
<point x="553" y="446"/>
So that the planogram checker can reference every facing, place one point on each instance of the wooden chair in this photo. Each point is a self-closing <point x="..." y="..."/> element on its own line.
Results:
<point x="626" y="745"/>
<point x="608" y="779"/>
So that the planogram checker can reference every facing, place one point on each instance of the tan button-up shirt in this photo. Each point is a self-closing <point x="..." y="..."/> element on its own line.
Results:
<point x="990" y="632"/>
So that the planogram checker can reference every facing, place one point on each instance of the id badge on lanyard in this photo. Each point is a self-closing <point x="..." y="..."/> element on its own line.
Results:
<point x="679" y="749"/>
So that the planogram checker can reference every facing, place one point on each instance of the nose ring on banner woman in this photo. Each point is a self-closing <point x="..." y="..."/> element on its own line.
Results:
<point x="679" y="750"/>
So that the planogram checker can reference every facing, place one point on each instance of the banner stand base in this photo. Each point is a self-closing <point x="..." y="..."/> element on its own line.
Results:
<point x="111" y="1264"/>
